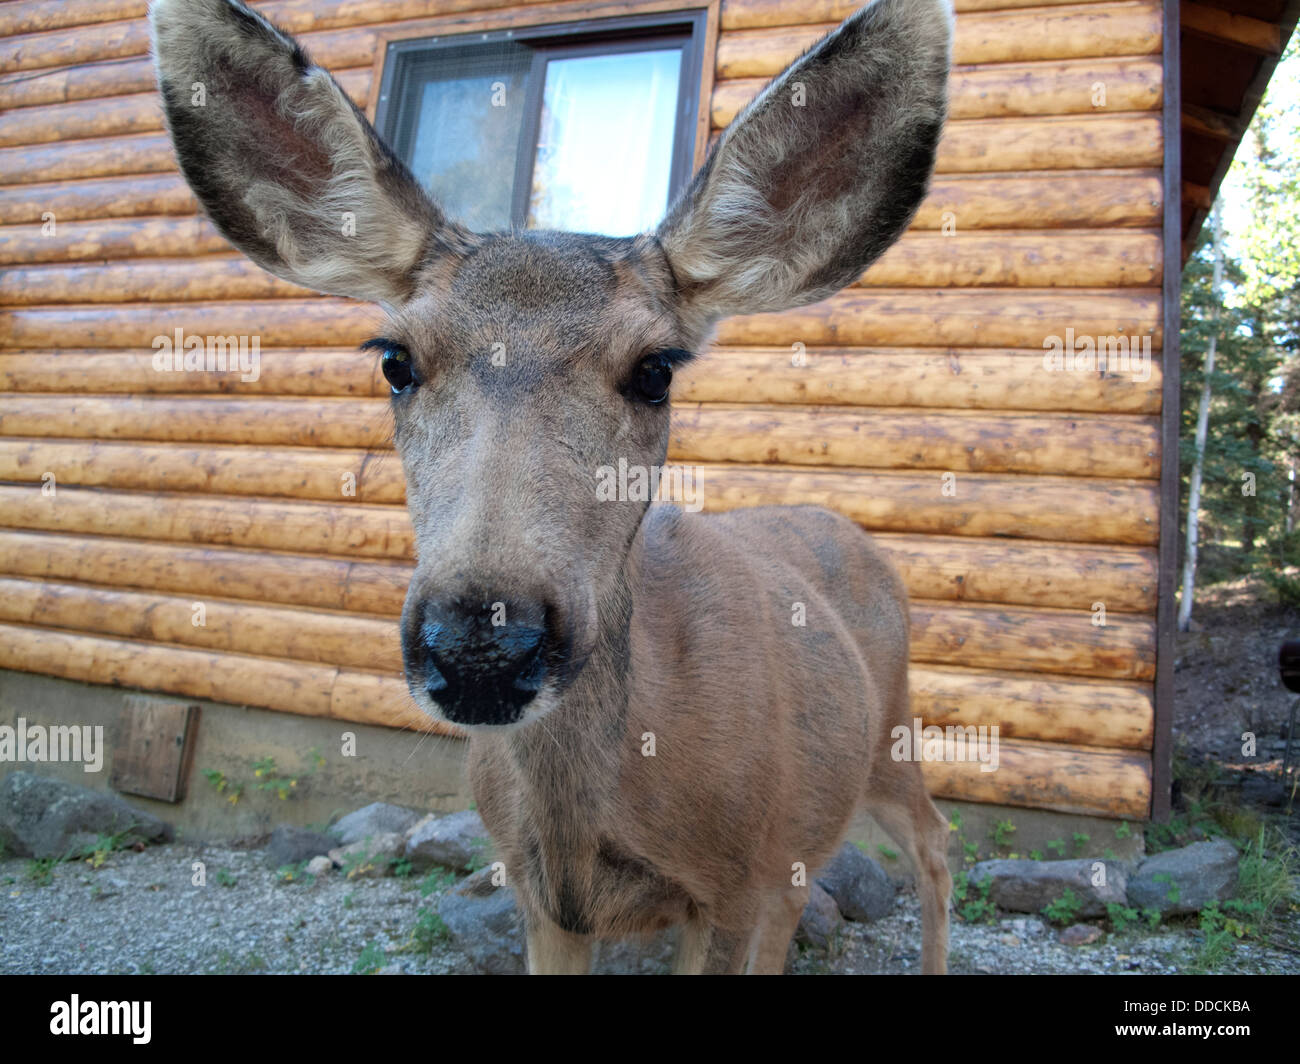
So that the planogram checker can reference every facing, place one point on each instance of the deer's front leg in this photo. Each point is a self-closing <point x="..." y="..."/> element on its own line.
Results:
<point x="554" y="951"/>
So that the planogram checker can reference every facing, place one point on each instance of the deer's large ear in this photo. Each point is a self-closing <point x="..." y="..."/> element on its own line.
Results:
<point x="821" y="172"/>
<point x="286" y="166"/>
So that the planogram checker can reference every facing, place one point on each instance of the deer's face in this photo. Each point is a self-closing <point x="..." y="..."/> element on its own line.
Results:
<point x="526" y="364"/>
<point x="523" y="371"/>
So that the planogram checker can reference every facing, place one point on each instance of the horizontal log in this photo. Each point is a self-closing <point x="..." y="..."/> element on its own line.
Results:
<point x="1011" y="90"/>
<point x="111" y="197"/>
<point x="87" y="82"/>
<point x="1042" y="200"/>
<point x="342" y="423"/>
<point x="1025" y="573"/>
<point x="751" y="14"/>
<point x="226" y="277"/>
<point x="82" y="44"/>
<point x="1082" y="780"/>
<point x="952" y="441"/>
<point x="1034" y="640"/>
<point x="278" y="323"/>
<point x="115" y="116"/>
<point x="1056" y="508"/>
<point x="857" y="317"/>
<point x="1110" y="713"/>
<point x="82" y="241"/>
<point x="1051" y="143"/>
<point x="142" y="153"/>
<point x="354" y="530"/>
<point x="364" y="586"/>
<point x="1065" y="509"/>
<point x="1073" y="258"/>
<point x="1120" y="446"/>
<point x="289" y="472"/>
<point x="974" y="145"/>
<point x="974" y="318"/>
<point x="933" y="567"/>
<point x="338" y="639"/>
<point x="1064" y="258"/>
<point x="351" y="640"/>
<point x="955" y="378"/>
<point x="970" y="379"/>
<point x="324" y="372"/>
<point x="37" y="15"/>
<point x="1077" y="32"/>
<point x="240" y="679"/>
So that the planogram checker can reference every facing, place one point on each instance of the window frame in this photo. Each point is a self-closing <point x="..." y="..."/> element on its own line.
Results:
<point x="692" y="29"/>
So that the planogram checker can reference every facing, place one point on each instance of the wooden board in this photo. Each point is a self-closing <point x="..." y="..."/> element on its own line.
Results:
<point x="154" y="748"/>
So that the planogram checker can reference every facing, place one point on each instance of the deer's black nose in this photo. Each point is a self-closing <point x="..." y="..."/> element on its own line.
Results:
<point x="483" y="662"/>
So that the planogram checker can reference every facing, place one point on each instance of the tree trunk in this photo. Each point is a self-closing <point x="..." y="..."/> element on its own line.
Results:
<point x="1202" y="431"/>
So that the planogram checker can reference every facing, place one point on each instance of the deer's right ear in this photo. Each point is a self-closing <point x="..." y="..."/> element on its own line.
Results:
<point x="286" y="166"/>
<point x="821" y="173"/>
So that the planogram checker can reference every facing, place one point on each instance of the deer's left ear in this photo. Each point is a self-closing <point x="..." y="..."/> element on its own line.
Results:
<point x="821" y="173"/>
<point x="283" y="162"/>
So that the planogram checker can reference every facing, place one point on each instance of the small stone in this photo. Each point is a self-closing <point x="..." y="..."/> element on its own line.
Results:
<point x="369" y="858"/>
<point x="458" y="842"/>
<point x="319" y="866"/>
<point x="820" y="921"/>
<point x="860" y="887"/>
<point x="1009" y="940"/>
<point x="1079" y="935"/>
<point x="377" y="818"/>
<point x="291" y="845"/>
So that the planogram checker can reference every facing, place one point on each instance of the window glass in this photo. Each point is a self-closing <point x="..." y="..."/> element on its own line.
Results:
<point x="605" y="142"/>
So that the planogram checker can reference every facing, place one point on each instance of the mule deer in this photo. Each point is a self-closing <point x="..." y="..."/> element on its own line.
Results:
<point x="563" y="631"/>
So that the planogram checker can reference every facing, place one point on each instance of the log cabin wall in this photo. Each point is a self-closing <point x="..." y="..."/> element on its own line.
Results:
<point x="1018" y="502"/>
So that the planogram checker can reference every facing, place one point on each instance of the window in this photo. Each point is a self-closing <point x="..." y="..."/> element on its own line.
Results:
<point x="588" y="127"/>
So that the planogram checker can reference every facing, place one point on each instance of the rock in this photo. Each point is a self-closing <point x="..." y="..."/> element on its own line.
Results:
<point x="319" y="866"/>
<point x="652" y="956"/>
<point x="486" y="925"/>
<point x="378" y="818"/>
<point x="370" y="858"/>
<point x="1079" y="935"/>
<point x="1026" y="927"/>
<point x="290" y="845"/>
<point x="821" y="919"/>
<point x="860" y="887"/>
<point x="44" y="817"/>
<point x="1022" y="886"/>
<point x="1189" y="878"/>
<point x="456" y="841"/>
<point x="1009" y="940"/>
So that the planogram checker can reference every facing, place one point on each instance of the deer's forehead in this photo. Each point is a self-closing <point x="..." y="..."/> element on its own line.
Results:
<point x="558" y="294"/>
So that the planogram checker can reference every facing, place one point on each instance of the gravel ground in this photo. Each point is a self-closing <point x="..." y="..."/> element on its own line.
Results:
<point x="140" y="913"/>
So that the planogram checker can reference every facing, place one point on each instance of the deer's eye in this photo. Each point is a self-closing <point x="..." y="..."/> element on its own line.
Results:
<point x="651" y="379"/>
<point x="396" y="365"/>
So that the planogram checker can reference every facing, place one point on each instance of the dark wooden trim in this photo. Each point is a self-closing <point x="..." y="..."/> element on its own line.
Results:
<point x="1171" y="406"/>
<point x="1250" y="104"/>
